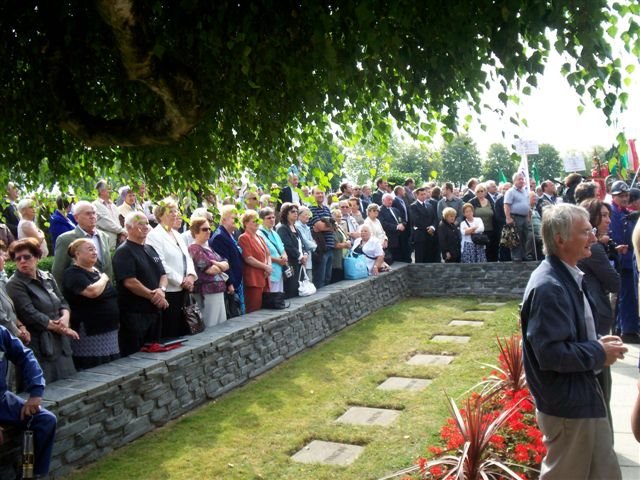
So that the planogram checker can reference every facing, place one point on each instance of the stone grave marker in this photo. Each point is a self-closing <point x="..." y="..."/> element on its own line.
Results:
<point x="403" y="383"/>
<point x="428" y="359"/>
<point x="451" y="338"/>
<point x="328" y="453"/>
<point x="369" y="416"/>
<point x="466" y="323"/>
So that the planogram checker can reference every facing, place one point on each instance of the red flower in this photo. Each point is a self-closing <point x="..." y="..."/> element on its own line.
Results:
<point x="435" y="450"/>
<point x="521" y="453"/>
<point x="436" y="471"/>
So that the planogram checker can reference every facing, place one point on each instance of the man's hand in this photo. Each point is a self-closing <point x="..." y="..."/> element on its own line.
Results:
<point x="30" y="408"/>
<point x="614" y="349"/>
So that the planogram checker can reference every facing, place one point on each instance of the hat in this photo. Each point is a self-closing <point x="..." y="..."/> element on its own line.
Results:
<point x="619" y="187"/>
<point x="634" y="194"/>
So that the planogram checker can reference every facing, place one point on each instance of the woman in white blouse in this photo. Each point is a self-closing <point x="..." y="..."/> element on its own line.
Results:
<point x="373" y="210"/>
<point x="177" y="264"/>
<point x="27" y="226"/>
<point x="370" y="247"/>
<point x="471" y="252"/>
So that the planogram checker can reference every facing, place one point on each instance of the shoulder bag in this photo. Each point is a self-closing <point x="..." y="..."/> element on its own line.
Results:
<point x="305" y="285"/>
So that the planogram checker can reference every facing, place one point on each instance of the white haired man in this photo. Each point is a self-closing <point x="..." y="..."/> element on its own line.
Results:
<point x="563" y="353"/>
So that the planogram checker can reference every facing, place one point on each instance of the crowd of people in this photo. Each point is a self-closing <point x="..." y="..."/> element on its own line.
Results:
<point x="123" y="270"/>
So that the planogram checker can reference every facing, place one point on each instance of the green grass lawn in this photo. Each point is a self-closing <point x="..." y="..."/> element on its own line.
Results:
<point x="251" y="432"/>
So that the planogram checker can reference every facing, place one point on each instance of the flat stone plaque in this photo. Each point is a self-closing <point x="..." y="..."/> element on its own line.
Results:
<point x="424" y="359"/>
<point x="402" y="383"/>
<point x="492" y="304"/>
<point x="479" y="311"/>
<point x="369" y="416"/>
<point x="328" y="453"/>
<point x="451" y="338"/>
<point x="466" y="323"/>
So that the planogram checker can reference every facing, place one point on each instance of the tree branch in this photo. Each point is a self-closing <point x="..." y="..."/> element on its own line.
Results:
<point x="171" y="83"/>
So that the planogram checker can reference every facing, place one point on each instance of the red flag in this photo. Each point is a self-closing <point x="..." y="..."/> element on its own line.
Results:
<point x="634" y="155"/>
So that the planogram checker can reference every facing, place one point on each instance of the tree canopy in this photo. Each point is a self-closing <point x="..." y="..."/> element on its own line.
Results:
<point x="460" y="160"/>
<point x="188" y="88"/>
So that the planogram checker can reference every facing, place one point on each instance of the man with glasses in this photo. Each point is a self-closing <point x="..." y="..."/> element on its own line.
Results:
<point x="85" y="215"/>
<point x="563" y="353"/>
<point x="141" y="283"/>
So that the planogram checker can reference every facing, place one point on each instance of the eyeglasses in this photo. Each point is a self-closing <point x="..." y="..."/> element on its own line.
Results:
<point x="293" y="211"/>
<point x="205" y="229"/>
<point x="344" y="206"/>
<point x="26" y="257"/>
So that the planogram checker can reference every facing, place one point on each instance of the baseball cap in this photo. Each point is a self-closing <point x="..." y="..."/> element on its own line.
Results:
<point x="619" y="187"/>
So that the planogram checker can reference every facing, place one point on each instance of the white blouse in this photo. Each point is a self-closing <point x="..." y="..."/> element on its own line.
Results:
<point x="376" y="229"/>
<point x="477" y="222"/>
<point x="172" y="251"/>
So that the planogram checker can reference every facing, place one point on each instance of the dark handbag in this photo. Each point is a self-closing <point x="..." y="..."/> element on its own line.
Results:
<point x="480" y="238"/>
<point x="273" y="300"/>
<point x="232" y="305"/>
<point x="192" y="315"/>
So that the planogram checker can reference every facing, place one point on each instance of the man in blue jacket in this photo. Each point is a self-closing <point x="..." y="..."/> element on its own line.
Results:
<point x="26" y="415"/>
<point x="563" y="354"/>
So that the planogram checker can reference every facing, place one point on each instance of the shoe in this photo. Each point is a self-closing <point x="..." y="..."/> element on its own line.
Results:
<point x="630" y="338"/>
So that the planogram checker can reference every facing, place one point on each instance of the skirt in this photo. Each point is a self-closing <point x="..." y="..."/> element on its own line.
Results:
<point x="212" y="307"/>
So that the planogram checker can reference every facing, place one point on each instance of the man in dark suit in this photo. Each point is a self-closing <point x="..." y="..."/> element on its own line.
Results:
<point x="409" y="186"/>
<point x="394" y="225"/>
<point x="290" y="192"/>
<point x="402" y="204"/>
<point x="424" y="221"/>
<point x="9" y="209"/>
<point x="383" y="187"/>
<point x="85" y="215"/>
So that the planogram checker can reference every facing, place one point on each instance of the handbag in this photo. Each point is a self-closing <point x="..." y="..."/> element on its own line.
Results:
<point x="232" y="305"/>
<point x="479" y="238"/>
<point x="305" y="285"/>
<point x="355" y="268"/>
<point x="509" y="237"/>
<point x="273" y="300"/>
<point x="192" y="315"/>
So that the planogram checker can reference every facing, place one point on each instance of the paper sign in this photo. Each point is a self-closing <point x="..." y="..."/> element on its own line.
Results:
<point x="574" y="163"/>
<point x="526" y="147"/>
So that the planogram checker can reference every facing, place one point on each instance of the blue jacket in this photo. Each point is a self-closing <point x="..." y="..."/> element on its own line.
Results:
<point x="225" y="245"/>
<point x="621" y="230"/>
<point x="12" y="350"/>
<point x="559" y="360"/>
<point x="60" y="224"/>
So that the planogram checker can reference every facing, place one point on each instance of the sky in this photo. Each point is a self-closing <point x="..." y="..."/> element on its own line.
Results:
<point x="552" y="116"/>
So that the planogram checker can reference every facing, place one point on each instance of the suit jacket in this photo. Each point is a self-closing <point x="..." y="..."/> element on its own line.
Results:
<point x="377" y="197"/>
<point x="61" y="260"/>
<point x="422" y="217"/>
<point x="254" y="246"/>
<point x="224" y="245"/>
<point x="390" y="225"/>
<point x="11" y="217"/>
<point x="409" y="195"/>
<point x="402" y="205"/>
<point x="109" y="221"/>
<point x="285" y="195"/>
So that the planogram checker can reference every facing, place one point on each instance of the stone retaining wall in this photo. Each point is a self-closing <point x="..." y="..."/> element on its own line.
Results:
<point x="106" y="407"/>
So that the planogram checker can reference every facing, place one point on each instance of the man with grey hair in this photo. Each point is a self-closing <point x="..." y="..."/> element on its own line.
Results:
<point x="563" y="353"/>
<point x="108" y="215"/>
<point x="85" y="215"/>
<point x="516" y="212"/>
<point x="141" y="282"/>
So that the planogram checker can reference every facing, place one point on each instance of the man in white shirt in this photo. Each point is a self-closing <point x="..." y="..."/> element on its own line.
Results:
<point x="108" y="216"/>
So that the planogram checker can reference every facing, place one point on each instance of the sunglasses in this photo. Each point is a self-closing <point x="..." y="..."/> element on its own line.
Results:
<point x="26" y="257"/>
<point x="205" y="229"/>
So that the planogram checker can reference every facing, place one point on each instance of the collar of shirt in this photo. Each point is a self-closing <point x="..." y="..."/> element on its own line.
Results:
<point x="576" y="273"/>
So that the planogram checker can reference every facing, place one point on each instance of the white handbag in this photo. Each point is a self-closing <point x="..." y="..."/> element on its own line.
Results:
<point x="305" y="285"/>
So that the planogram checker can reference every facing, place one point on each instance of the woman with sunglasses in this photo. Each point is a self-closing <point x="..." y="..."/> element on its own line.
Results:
<point x="43" y="310"/>
<point x="293" y="245"/>
<point x="210" y="267"/>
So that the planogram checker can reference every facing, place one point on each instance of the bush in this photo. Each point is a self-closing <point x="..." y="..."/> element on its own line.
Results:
<point x="44" y="264"/>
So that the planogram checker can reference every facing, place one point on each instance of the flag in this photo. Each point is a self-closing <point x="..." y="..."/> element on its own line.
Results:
<point x="503" y="177"/>
<point x="634" y="155"/>
<point x="523" y="169"/>
<point x="534" y="174"/>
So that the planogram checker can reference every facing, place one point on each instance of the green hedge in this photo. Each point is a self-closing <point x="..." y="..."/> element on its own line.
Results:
<point x="44" y="264"/>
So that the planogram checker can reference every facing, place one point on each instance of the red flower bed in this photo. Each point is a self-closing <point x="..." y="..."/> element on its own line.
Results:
<point x="495" y="434"/>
